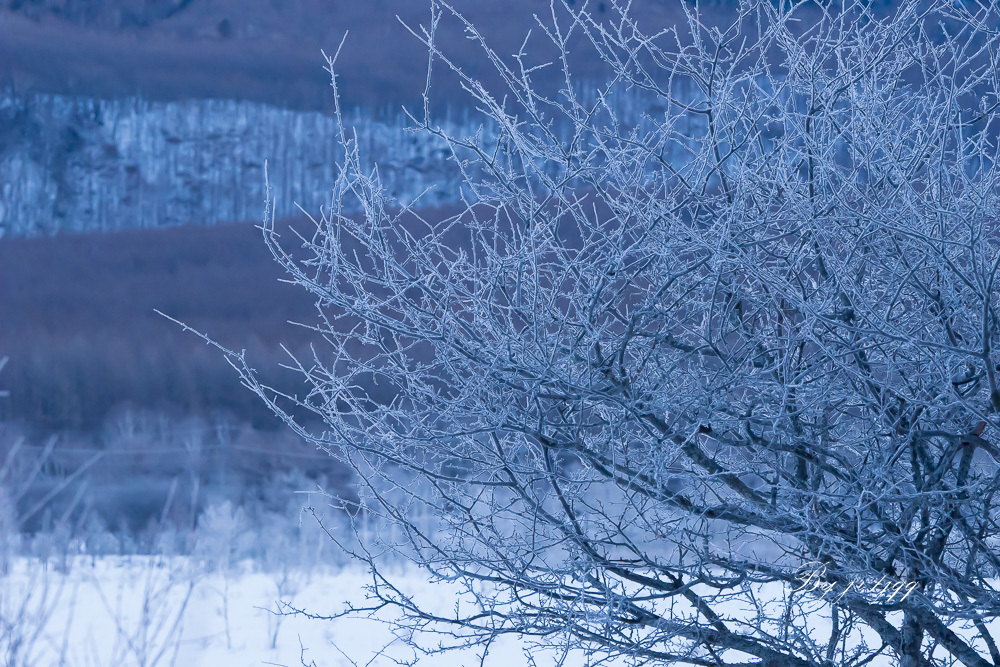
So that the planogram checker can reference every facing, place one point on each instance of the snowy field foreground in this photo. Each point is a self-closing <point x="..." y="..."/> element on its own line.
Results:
<point x="156" y="611"/>
<point x="147" y="611"/>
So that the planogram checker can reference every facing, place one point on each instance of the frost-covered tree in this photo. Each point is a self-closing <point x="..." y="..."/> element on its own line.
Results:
<point x="713" y="386"/>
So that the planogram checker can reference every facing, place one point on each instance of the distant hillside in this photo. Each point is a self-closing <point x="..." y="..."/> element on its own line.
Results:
<point x="77" y="323"/>
<point x="83" y="341"/>
<point x="266" y="51"/>
<point x="88" y="165"/>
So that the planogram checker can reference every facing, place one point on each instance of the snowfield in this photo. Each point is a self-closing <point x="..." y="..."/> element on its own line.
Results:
<point x="153" y="611"/>
<point x="158" y="611"/>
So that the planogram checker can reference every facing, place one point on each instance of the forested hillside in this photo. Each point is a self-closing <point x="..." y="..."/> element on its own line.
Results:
<point x="88" y="165"/>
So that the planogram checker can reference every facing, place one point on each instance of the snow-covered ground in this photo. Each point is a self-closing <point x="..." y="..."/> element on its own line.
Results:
<point x="118" y="612"/>
<point x="157" y="611"/>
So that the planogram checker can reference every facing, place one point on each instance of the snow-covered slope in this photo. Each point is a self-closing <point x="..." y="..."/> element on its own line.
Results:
<point x="70" y="164"/>
<point x="79" y="165"/>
